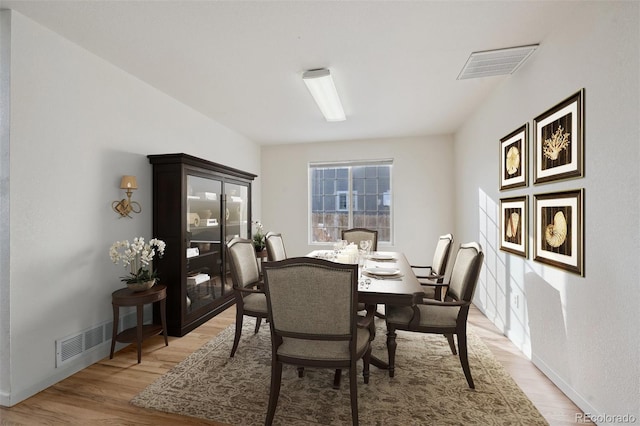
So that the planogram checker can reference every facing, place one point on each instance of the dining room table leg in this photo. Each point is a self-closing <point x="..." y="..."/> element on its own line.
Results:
<point x="374" y="360"/>
<point x="391" y="349"/>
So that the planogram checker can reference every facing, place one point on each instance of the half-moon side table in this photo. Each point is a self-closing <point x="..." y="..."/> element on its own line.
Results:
<point x="126" y="297"/>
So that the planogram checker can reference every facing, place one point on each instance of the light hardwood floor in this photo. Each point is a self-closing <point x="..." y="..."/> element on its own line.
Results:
<point x="100" y="394"/>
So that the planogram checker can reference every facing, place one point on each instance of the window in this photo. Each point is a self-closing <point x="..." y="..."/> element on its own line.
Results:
<point x="350" y="195"/>
<point x="343" y="203"/>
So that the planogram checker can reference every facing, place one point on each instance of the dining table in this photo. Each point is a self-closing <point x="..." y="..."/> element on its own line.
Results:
<point x="384" y="278"/>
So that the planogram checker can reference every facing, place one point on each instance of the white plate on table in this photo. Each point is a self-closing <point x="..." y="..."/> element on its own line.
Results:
<point x="381" y="257"/>
<point x="382" y="272"/>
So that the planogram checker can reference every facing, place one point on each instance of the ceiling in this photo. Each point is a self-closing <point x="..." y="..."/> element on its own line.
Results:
<point x="394" y="63"/>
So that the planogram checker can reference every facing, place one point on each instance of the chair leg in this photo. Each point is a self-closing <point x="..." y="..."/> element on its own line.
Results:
<point x="236" y="339"/>
<point x="366" y="359"/>
<point x="438" y="293"/>
<point x="464" y="360"/>
<point x="452" y="344"/>
<point x="391" y="349"/>
<point x="336" y="378"/>
<point x="258" y="322"/>
<point x="353" y="391"/>
<point x="274" y="392"/>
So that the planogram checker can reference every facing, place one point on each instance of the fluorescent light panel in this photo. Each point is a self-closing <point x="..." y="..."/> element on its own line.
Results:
<point x="495" y="62"/>
<point x="321" y="87"/>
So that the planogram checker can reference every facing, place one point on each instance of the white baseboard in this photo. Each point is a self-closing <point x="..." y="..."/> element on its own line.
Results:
<point x="5" y="399"/>
<point x="75" y="364"/>
<point x="574" y="396"/>
<point x="9" y="400"/>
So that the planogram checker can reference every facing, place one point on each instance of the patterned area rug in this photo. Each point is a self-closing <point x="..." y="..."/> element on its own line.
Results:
<point x="429" y="387"/>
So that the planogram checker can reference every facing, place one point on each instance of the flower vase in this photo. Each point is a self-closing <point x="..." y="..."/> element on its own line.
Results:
<point x="141" y="286"/>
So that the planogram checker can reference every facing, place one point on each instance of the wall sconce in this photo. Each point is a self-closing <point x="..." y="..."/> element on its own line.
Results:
<point x="126" y="206"/>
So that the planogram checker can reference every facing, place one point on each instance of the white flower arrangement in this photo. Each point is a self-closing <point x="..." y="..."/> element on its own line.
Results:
<point x="258" y="237"/>
<point x="137" y="257"/>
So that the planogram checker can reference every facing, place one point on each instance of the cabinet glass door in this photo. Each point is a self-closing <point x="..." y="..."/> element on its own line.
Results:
<point x="237" y="211"/>
<point x="236" y="219"/>
<point x="204" y="243"/>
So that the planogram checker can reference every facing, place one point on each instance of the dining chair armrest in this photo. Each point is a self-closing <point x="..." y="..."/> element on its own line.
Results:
<point x="415" y="319"/>
<point x="432" y="283"/>
<point x="365" y="321"/>
<point x="250" y="290"/>
<point x="421" y="267"/>
<point x="433" y="302"/>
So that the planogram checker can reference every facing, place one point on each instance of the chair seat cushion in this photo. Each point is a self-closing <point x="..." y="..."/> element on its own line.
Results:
<point x="322" y="349"/>
<point x="429" y="292"/>
<point x="430" y="315"/>
<point x="255" y="302"/>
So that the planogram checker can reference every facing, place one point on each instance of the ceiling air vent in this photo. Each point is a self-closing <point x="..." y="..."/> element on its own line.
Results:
<point x="495" y="62"/>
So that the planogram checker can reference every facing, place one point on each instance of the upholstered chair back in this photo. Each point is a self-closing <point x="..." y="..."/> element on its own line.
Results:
<point x="441" y="255"/>
<point x="355" y="235"/>
<point x="311" y="297"/>
<point x="465" y="272"/>
<point x="243" y="262"/>
<point x="275" y="247"/>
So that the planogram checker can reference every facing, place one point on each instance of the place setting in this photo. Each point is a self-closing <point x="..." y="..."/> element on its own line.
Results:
<point x="382" y="257"/>
<point x="382" y="273"/>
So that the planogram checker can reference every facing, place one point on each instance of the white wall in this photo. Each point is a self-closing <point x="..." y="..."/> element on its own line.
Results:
<point x="422" y="185"/>
<point x="582" y="332"/>
<point x="77" y="125"/>
<point x="5" y="116"/>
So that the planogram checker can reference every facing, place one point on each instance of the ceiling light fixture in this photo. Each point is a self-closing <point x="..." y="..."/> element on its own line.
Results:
<point x="496" y="62"/>
<point x="320" y="84"/>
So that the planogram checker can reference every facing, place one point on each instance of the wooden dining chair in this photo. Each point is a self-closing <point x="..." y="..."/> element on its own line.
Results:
<point x="314" y="322"/>
<point x="446" y="317"/>
<point x="355" y="235"/>
<point x="245" y="275"/>
<point x="275" y="247"/>
<point x="432" y="276"/>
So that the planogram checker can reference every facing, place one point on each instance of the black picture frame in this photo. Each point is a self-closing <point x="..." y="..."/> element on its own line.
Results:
<point x="514" y="159"/>
<point x="514" y="225"/>
<point x="559" y="230"/>
<point x="558" y="135"/>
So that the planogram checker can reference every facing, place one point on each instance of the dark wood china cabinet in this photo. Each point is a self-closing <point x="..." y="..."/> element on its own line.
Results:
<point x="198" y="205"/>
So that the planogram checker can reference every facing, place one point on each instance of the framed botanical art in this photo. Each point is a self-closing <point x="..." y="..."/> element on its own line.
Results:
<point x="558" y="135"/>
<point x="513" y="158"/>
<point x="559" y="230"/>
<point x="514" y="219"/>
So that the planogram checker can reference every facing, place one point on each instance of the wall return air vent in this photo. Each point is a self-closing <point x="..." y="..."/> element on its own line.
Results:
<point x="495" y="62"/>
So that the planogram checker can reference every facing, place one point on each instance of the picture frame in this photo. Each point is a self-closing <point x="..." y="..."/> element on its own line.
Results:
<point x="559" y="230"/>
<point x="514" y="156"/>
<point x="514" y="225"/>
<point x="558" y="135"/>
